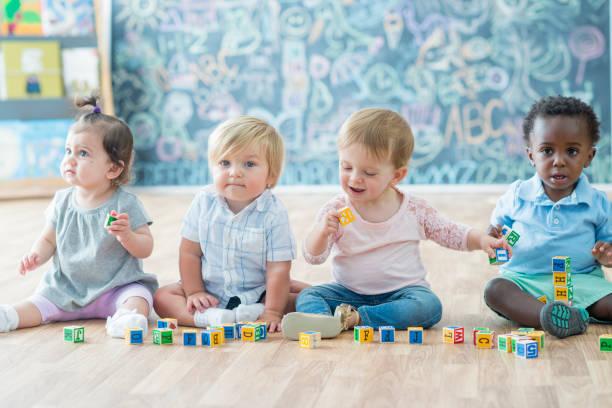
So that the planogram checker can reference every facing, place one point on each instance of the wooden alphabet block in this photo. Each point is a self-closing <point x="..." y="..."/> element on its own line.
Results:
<point x="415" y="335"/>
<point x="501" y="256"/>
<point x="510" y="235"/>
<point x="346" y="216"/>
<point x="162" y="336"/>
<point x="453" y="334"/>
<point x="168" y="323"/>
<point x="190" y="337"/>
<point x="74" y="334"/>
<point x="504" y="343"/>
<point x="537" y="335"/>
<point x="250" y="333"/>
<point x="562" y="278"/>
<point x="476" y="330"/>
<point x="527" y="349"/>
<point x="363" y="334"/>
<point x="561" y="264"/>
<point x="109" y="220"/>
<point x="485" y="339"/>
<point x="605" y="342"/>
<point x="310" y="339"/>
<point x="386" y="334"/>
<point x="134" y="335"/>
<point x="564" y="293"/>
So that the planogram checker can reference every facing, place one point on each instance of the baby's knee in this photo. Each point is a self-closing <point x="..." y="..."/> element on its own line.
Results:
<point x="494" y="290"/>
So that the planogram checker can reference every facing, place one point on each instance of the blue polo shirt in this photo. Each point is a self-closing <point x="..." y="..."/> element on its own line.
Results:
<point x="569" y="227"/>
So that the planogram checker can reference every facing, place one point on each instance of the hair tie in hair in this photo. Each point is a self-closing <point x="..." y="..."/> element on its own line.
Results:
<point x="97" y="109"/>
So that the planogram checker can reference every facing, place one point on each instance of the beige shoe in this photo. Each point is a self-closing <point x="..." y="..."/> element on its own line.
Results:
<point x="349" y="316"/>
<point x="295" y="323"/>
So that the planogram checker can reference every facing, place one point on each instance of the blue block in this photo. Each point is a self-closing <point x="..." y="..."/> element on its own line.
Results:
<point x="532" y="350"/>
<point x="161" y="324"/>
<point x="501" y="254"/>
<point x="206" y="337"/>
<point x="190" y="339"/>
<point x="238" y="331"/>
<point x="229" y="332"/>
<point x="415" y="337"/>
<point x="558" y="265"/>
<point x="263" y="331"/>
<point x="136" y="337"/>
<point x="387" y="334"/>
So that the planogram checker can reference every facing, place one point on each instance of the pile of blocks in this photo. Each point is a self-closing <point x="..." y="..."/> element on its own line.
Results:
<point x="386" y="334"/>
<point x="562" y="279"/>
<point x="501" y="254"/>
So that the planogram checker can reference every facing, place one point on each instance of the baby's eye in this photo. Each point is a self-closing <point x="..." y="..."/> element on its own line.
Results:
<point x="547" y="151"/>
<point x="224" y="163"/>
<point x="572" y="152"/>
<point x="83" y="153"/>
<point x="369" y="173"/>
<point x="250" y="163"/>
<point x="347" y="168"/>
<point x="68" y="151"/>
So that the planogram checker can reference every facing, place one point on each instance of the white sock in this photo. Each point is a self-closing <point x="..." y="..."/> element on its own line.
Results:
<point x="123" y="319"/>
<point x="213" y="316"/>
<point x="9" y="319"/>
<point x="249" y="313"/>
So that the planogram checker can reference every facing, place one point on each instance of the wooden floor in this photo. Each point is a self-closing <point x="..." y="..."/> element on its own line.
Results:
<point x="39" y="369"/>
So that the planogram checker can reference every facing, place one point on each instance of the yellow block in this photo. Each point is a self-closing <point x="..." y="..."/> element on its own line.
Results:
<point x="561" y="293"/>
<point x="346" y="216"/>
<point x="248" y="333"/>
<point x="365" y="335"/>
<point x="543" y="299"/>
<point x="484" y="340"/>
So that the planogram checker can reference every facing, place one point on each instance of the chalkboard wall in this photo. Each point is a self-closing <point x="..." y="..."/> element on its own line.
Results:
<point x="462" y="72"/>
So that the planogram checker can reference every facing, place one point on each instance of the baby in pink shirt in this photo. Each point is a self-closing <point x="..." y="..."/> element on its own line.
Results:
<point x="379" y="277"/>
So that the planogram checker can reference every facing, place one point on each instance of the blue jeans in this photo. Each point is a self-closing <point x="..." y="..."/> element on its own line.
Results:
<point x="408" y="306"/>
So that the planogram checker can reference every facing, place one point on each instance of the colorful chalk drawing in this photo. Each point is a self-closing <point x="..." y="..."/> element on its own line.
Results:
<point x="462" y="72"/>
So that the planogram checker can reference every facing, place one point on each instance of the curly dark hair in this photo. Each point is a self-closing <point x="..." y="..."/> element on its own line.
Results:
<point x="562" y="106"/>
<point x="117" y="137"/>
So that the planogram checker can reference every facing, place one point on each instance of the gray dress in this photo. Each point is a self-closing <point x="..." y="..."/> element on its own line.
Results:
<point x="88" y="260"/>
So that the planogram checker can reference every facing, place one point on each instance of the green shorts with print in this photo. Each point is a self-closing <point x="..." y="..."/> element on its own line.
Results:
<point x="588" y="287"/>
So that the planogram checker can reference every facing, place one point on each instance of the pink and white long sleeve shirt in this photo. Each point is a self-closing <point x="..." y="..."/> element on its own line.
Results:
<point x="373" y="258"/>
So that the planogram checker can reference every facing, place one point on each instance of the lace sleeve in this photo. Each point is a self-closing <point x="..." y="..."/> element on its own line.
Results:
<point x="335" y="203"/>
<point x="438" y="228"/>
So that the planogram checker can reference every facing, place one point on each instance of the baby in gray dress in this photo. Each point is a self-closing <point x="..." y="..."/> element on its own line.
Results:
<point x="97" y="265"/>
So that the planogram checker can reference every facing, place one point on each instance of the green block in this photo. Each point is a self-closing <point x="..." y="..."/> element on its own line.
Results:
<point x="502" y="343"/>
<point x="605" y="343"/>
<point x="109" y="220"/>
<point x="162" y="336"/>
<point x="512" y="238"/>
<point x="74" y="334"/>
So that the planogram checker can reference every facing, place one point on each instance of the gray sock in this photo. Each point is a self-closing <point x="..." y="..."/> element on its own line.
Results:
<point x="562" y="320"/>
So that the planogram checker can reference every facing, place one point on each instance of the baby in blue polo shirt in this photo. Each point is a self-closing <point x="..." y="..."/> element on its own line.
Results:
<point x="557" y="213"/>
<point x="236" y="243"/>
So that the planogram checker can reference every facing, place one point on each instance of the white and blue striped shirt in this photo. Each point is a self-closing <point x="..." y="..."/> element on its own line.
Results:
<point x="236" y="247"/>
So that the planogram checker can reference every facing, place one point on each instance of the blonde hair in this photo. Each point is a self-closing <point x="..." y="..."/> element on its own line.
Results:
<point x="384" y="134"/>
<point x="236" y="135"/>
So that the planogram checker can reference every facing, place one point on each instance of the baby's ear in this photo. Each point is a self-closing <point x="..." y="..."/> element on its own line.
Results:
<point x="591" y="157"/>
<point x="399" y="174"/>
<point x="115" y="170"/>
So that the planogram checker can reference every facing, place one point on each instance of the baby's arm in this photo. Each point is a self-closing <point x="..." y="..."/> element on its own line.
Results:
<point x="190" y="269"/>
<point x="479" y="240"/>
<point x="451" y="234"/>
<point x="277" y="293"/>
<point x="42" y="250"/>
<point x="138" y="243"/>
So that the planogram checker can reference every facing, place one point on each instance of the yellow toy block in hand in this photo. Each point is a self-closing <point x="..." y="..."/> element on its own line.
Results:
<point x="346" y="216"/>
